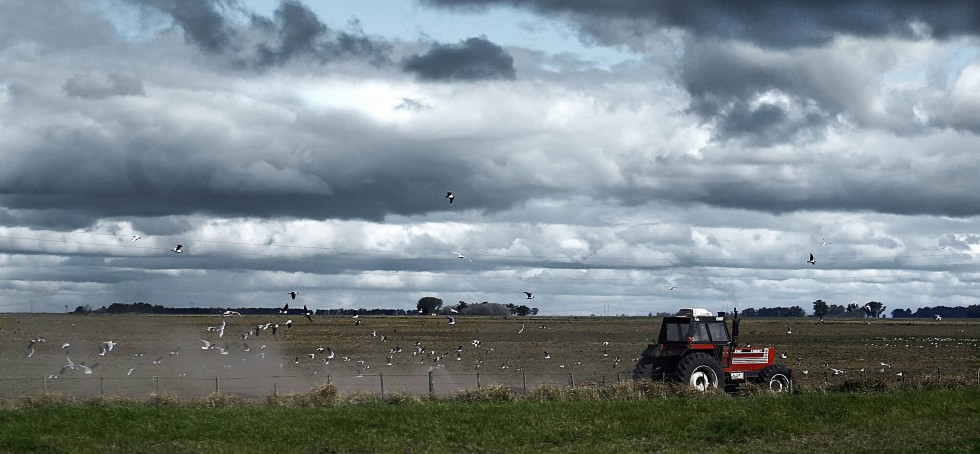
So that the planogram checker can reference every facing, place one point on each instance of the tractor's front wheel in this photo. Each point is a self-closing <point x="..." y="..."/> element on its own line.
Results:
<point x="701" y="371"/>
<point x="647" y="368"/>
<point x="775" y="378"/>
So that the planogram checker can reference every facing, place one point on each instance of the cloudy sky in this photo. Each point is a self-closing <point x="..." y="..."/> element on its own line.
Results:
<point x="598" y="152"/>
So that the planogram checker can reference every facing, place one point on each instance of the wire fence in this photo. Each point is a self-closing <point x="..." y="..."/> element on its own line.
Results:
<point x="436" y="384"/>
<point x="433" y="384"/>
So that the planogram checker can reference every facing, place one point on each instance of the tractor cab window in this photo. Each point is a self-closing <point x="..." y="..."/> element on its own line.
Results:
<point x="674" y="332"/>
<point x="699" y="333"/>
<point x="718" y="332"/>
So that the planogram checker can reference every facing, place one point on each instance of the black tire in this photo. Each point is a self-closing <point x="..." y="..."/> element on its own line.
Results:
<point x="701" y="371"/>
<point x="647" y="369"/>
<point x="775" y="378"/>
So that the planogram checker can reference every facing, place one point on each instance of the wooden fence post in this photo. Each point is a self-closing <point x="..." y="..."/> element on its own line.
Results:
<point x="431" y="386"/>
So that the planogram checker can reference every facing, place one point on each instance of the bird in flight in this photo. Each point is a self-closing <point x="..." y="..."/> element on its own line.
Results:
<point x="292" y="294"/>
<point x="530" y="295"/>
<point x="825" y="241"/>
<point x="811" y="260"/>
<point x="285" y="309"/>
<point x="308" y="313"/>
<point x="178" y="248"/>
<point x="452" y="320"/>
<point x="461" y="256"/>
<point x="450" y="196"/>
<point x="669" y="287"/>
<point x="136" y="237"/>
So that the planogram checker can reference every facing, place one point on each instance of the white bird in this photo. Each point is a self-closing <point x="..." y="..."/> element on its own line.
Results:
<point x="453" y="310"/>
<point x="900" y="374"/>
<point x="178" y="248"/>
<point x="883" y="364"/>
<point x="230" y="313"/>
<point x="529" y="296"/>
<point x="110" y="344"/>
<point x="130" y="371"/>
<point x="450" y="196"/>
<point x="547" y="355"/>
<point x="452" y="321"/>
<point x="102" y="350"/>
<point x="782" y="356"/>
<point x="207" y="344"/>
<point x="87" y="369"/>
<point x="789" y="330"/>
<point x="811" y="260"/>
<point x="669" y="287"/>
<point x="461" y="256"/>
<point x="836" y="371"/>
<point x="938" y="317"/>
<point x="522" y="329"/>
<point x="825" y="241"/>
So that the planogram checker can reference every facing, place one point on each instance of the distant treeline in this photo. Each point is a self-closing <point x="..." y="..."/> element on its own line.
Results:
<point x="837" y="311"/>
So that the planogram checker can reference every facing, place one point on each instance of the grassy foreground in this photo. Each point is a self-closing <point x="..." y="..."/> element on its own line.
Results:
<point x="900" y="421"/>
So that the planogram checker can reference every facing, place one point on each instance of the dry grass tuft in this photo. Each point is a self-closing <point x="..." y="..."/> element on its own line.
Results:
<point x="362" y="397"/>
<point x="403" y="398"/>
<point x="162" y="400"/>
<point x="491" y="393"/>
<point x="46" y="399"/>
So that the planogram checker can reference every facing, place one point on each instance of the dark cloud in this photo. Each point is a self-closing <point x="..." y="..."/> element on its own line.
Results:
<point x="472" y="59"/>
<point x="203" y="21"/>
<point x="413" y="105"/>
<point x="294" y="32"/>
<point x="98" y="86"/>
<point x="766" y="23"/>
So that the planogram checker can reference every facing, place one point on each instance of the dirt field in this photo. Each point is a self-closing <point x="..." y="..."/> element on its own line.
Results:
<point x="168" y="354"/>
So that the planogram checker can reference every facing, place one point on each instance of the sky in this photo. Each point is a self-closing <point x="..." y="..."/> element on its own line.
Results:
<point x="622" y="157"/>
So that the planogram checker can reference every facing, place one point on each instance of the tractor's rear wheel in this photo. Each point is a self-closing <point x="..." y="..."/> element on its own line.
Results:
<point x="701" y="371"/>
<point x="647" y="368"/>
<point x="775" y="378"/>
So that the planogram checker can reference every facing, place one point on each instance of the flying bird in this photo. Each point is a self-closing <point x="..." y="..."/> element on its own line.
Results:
<point x="669" y="287"/>
<point x="461" y="256"/>
<point x="825" y="241"/>
<point x="292" y="294"/>
<point x="285" y="309"/>
<point x="308" y="313"/>
<point x="811" y="260"/>
<point x="530" y="296"/>
<point x="178" y="248"/>
<point x="136" y="237"/>
<point x="452" y="321"/>
<point x="450" y="196"/>
<point x="522" y="329"/>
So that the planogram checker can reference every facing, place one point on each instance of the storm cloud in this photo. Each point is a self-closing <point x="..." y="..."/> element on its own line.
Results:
<point x="472" y="59"/>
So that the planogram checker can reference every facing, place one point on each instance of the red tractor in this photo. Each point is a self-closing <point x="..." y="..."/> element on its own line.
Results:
<point x="695" y="347"/>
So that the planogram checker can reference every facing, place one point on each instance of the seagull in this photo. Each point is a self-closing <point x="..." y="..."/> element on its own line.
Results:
<point x="452" y="321"/>
<point x="669" y="287"/>
<point x="938" y="317"/>
<point x="289" y="324"/>
<point x="461" y="256"/>
<point x="547" y="355"/>
<point x="178" y="248"/>
<point x="308" y="313"/>
<point x="522" y="329"/>
<point x="789" y="330"/>
<point x="230" y="313"/>
<point x="450" y="196"/>
<point x="110" y="344"/>
<point x="206" y="346"/>
<point x="136" y="237"/>
<point x="285" y="309"/>
<point x="131" y="369"/>
<point x="530" y="296"/>
<point x="102" y="351"/>
<point x="811" y="260"/>
<point x="883" y="364"/>
<point x="825" y="241"/>
<point x="292" y="294"/>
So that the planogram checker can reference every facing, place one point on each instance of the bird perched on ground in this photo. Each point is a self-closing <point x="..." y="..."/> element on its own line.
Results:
<point x="811" y="260"/>
<point x="450" y="196"/>
<point x="529" y="295"/>
<point x="178" y="249"/>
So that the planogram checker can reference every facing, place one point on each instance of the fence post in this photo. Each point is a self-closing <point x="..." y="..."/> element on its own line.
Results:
<point x="477" y="379"/>
<point x="604" y="378"/>
<point x="216" y="388"/>
<point x="157" y="381"/>
<point x="524" y="379"/>
<point x="431" y="388"/>
<point x="102" y="385"/>
<point x="939" y="372"/>
<point x="571" y="381"/>
<point x="275" y="389"/>
<point x="382" y="378"/>
<point x="328" y="379"/>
